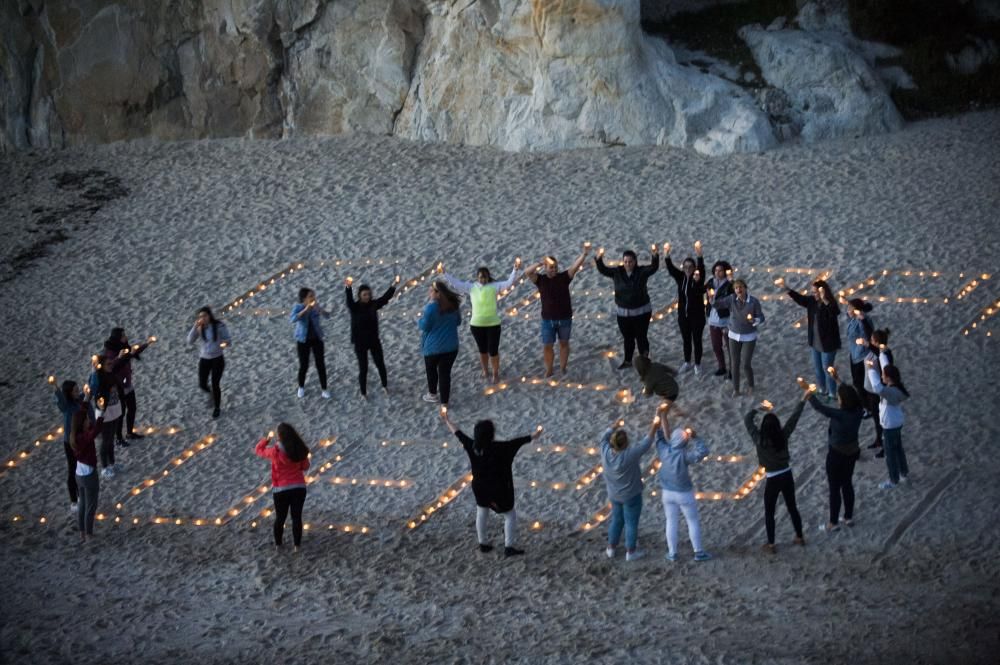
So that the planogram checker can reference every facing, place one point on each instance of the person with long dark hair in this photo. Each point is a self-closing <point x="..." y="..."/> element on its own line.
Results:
<point x="492" y="478"/>
<point x="823" y="328"/>
<point x="859" y="330"/>
<point x="745" y="316"/>
<point x="842" y="451"/>
<point x="289" y="458"/>
<point x="438" y="325"/>
<point x="719" y="286"/>
<point x="106" y="390"/>
<point x="116" y="343"/>
<point x="881" y="357"/>
<point x="69" y="401"/>
<point x="485" y="324"/>
<point x="364" y="330"/>
<point x="771" y="443"/>
<point x="632" y="304"/>
<point x="557" y="308"/>
<point x="213" y="337"/>
<point x="306" y="316"/>
<point x="690" y="280"/>
<point x="82" y="433"/>
<point x="892" y="393"/>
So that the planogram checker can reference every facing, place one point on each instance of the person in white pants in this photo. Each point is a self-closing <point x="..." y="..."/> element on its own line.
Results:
<point x="682" y="449"/>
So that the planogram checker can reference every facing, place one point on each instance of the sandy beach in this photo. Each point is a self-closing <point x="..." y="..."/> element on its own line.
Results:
<point x="142" y="234"/>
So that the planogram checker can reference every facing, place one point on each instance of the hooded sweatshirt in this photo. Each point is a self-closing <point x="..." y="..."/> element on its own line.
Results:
<point x="690" y="291"/>
<point x="890" y="411"/>
<point x="630" y="290"/>
<point x="657" y="378"/>
<point x="769" y="458"/>
<point x="622" y="475"/>
<point x="675" y="457"/>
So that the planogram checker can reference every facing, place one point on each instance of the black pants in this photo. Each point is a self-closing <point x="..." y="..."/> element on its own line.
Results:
<point x="316" y="346"/>
<point x="839" y="473"/>
<point x="361" y="350"/>
<point x="128" y="419"/>
<point x="283" y="501"/>
<point x="71" y="468"/>
<point x="634" y="331"/>
<point x="783" y="484"/>
<point x="213" y="367"/>
<point x="691" y="333"/>
<point x="487" y="339"/>
<point x="107" y="452"/>
<point x="438" y="368"/>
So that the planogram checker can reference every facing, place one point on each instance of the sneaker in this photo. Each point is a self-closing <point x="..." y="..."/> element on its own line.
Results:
<point x="697" y="370"/>
<point x="886" y="485"/>
<point x="702" y="556"/>
<point x="73" y="506"/>
<point x="686" y="367"/>
<point x="721" y="372"/>
<point x="301" y="392"/>
<point x="846" y="522"/>
<point x="121" y="443"/>
<point x="108" y="472"/>
<point x="385" y="390"/>
<point x="485" y="548"/>
<point x="512" y="551"/>
<point x="902" y="479"/>
<point x="625" y="364"/>
<point x="431" y="397"/>
<point x="608" y="551"/>
<point x="325" y="394"/>
<point x="828" y="528"/>
<point x="134" y="435"/>
<point x="635" y="555"/>
<point x="364" y="397"/>
<point x="215" y="413"/>
<point x="670" y="556"/>
<point x="801" y="542"/>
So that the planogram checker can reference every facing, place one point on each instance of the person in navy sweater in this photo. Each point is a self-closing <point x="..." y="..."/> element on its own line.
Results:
<point x="438" y="325"/>
<point x="364" y="330"/>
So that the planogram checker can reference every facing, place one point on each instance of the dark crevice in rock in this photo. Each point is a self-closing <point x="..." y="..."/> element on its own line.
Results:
<point x="414" y="84"/>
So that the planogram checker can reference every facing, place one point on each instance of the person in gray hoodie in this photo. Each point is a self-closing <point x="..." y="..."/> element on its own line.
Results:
<point x="623" y="479"/>
<point x="892" y="393"/>
<point x="745" y="315"/>
<point x="681" y="450"/>
<point x="657" y="378"/>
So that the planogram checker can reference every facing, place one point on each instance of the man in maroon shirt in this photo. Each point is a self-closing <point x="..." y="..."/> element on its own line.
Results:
<point x="557" y="310"/>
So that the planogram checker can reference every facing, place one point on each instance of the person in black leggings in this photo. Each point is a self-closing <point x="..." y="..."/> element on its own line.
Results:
<point x="690" y="305"/>
<point x="116" y="342"/>
<point x="631" y="299"/>
<point x="438" y="325"/>
<point x="843" y="450"/>
<point x="69" y="401"/>
<point x="306" y="315"/>
<point x="289" y="458"/>
<point x="213" y="339"/>
<point x="364" y="330"/>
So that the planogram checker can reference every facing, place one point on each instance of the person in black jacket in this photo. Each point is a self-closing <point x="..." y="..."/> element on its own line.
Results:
<point x="631" y="299"/>
<point x="492" y="478"/>
<point x="719" y="286"/>
<point x="824" y="331"/>
<point x="690" y="304"/>
<point x="364" y="330"/>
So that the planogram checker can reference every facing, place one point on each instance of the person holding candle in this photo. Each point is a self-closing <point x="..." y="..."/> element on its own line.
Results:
<point x="859" y="331"/>
<point x="745" y="315"/>
<point x="892" y="393"/>
<point x="106" y="390"/>
<point x="438" y="325"/>
<point x="678" y="451"/>
<point x="485" y="324"/>
<point x="289" y="458"/>
<point x="306" y="317"/>
<point x="690" y="305"/>
<point x="117" y="342"/>
<point x="364" y="330"/>
<point x="881" y="355"/>
<point x="213" y="338"/>
<point x="823" y="328"/>
<point x="632" y="304"/>
<point x="719" y="286"/>
<point x="69" y="401"/>
<point x="842" y="448"/>
<point x="771" y="443"/>
<point x="557" y="310"/>
<point x="623" y="480"/>
<point x="82" y="432"/>
<point x="492" y="478"/>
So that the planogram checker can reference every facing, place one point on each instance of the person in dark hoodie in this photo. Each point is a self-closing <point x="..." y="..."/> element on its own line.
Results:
<point x="70" y="401"/>
<point x="632" y="304"/>
<point x="492" y="478"/>
<point x="823" y="331"/>
<point x="690" y="305"/>
<point x="771" y="442"/>
<point x="657" y="378"/>
<point x="364" y="330"/>
<point x="117" y="342"/>
<point x="719" y="286"/>
<point x="83" y="431"/>
<point x="106" y="390"/>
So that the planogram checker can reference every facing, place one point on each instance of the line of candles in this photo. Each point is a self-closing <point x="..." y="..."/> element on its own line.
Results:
<point x="261" y="287"/>
<point x="443" y="500"/>
<point x="984" y="314"/>
<point x="53" y="434"/>
<point x="550" y="383"/>
<point x="198" y="446"/>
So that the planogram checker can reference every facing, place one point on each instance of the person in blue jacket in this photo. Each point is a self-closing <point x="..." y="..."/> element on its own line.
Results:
<point x="69" y="401"/>
<point x="438" y="325"/>
<point x="306" y="315"/>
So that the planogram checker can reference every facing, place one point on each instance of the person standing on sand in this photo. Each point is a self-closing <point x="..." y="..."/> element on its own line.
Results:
<point x="771" y="443"/>
<point x="485" y="324"/>
<point x="745" y="315"/>
<point x="306" y="316"/>
<point x="557" y="310"/>
<point x="117" y="342"/>
<point x="69" y="401"/>
<point x="892" y="393"/>
<point x="632" y="304"/>
<point x="881" y="356"/>
<point x="289" y="458"/>
<point x="213" y="337"/>
<point x="104" y="385"/>
<point x="438" y="325"/>
<point x="690" y="305"/>
<point x="859" y="330"/>
<point x="82" y="433"/>
<point x="364" y="330"/>
<point x="623" y="480"/>
<point x="678" y="451"/>
<point x="719" y="286"/>
<point x="492" y="478"/>
<point x="823" y="331"/>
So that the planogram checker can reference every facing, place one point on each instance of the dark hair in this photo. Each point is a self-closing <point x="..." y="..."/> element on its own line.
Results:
<point x="67" y="389"/>
<point x="211" y="319"/>
<point x="688" y="258"/>
<point x="364" y="287"/>
<point x="450" y="300"/>
<point x="482" y="436"/>
<point x="304" y="293"/>
<point x="821" y="284"/>
<point x="721" y="264"/>
<point x="849" y="399"/>
<point x="629" y="252"/>
<point x="117" y="333"/>
<point x="771" y="435"/>
<point x="859" y="304"/>
<point x="881" y="336"/>
<point x="892" y="373"/>
<point x="294" y="446"/>
<point x="483" y="269"/>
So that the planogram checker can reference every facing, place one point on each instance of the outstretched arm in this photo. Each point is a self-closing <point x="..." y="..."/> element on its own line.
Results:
<point x="531" y="272"/>
<point x="599" y="264"/>
<point x="509" y="282"/>
<point x="457" y="284"/>
<point x="578" y="264"/>
<point x="384" y="299"/>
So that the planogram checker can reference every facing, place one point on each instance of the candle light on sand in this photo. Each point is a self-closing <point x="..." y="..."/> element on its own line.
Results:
<point x="831" y="370"/>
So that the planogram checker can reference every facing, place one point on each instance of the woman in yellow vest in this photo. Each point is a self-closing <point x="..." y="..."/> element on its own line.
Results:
<point x="485" y="324"/>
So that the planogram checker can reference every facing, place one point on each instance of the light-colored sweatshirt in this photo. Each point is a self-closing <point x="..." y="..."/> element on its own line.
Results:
<point x="622" y="475"/>
<point x="483" y="297"/>
<point x="890" y="413"/>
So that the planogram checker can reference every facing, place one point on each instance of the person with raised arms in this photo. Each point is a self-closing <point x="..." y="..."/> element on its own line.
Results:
<point x="557" y="309"/>
<point x="364" y="330"/>
<point x="823" y="329"/>
<point x="677" y="451"/>
<point x="632" y="304"/>
<point x="690" y="280"/>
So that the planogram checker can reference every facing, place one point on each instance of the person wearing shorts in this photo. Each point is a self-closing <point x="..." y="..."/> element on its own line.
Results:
<point x="557" y="309"/>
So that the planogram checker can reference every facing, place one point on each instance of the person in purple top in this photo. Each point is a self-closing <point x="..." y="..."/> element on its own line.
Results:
<point x="557" y="310"/>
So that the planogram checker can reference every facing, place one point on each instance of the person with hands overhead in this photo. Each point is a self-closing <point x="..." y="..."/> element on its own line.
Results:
<point x="364" y="330"/>
<point x="289" y="457"/>
<point x="677" y="451"/>
<point x="557" y="310"/>
<point x="213" y="339"/>
<point x="306" y="317"/>
<point x="492" y="478"/>
<point x="690" y="280"/>
<point x="745" y="316"/>
<point x="823" y="328"/>
<point x="632" y="304"/>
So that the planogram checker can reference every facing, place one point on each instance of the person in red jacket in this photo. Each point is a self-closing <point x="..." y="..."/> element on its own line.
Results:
<point x="83" y="432"/>
<point x="289" y="459"/>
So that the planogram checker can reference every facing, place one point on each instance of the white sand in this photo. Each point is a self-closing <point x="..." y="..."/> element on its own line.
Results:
<point x="916" y="580"/>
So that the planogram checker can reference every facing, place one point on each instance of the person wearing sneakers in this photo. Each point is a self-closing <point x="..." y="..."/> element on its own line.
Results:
<point x="657" y="378"/>
<point x="682" y="449"/>
<point x="82" y="432"/>
<point x="113" y="346"/>
<point x="289" y="458"/>
<point x="823" y="328"/>
<point x="623" y="480"/>
<point x="492" y="478"/>
<point x="719" y="286"/>
<point x="305" y="316"/>
<point x="106" y="390"/>
<point x="632" y="304"/>
<point x="213" y="338"/>
<point x="438" y="325"/>
<point x="690" y="304"/>
<point x="485" y="324"/>
<point x="364" y="330"/>
<point x="881" y="356"/>
<point x="892" y="393"/>
<point x="842" y="448"/>
<point x="745" y="315"/>
<point x="69" y="401"/>
<point x="557" y="308"/>
<point x="771" y="443"/>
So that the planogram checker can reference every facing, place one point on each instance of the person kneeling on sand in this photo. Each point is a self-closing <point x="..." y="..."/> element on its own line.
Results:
<point x="289" y="459"/>
<point x="682" y="449"/>
<point x="657" y="378"/>
<point x="492" y="479"/>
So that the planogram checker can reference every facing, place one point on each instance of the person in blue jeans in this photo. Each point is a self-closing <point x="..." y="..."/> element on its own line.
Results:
<point x="892" y="393"/>
<point x="557" y="309"/>
<point x="623" y="479"/>
<point x="823" y="331"/>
